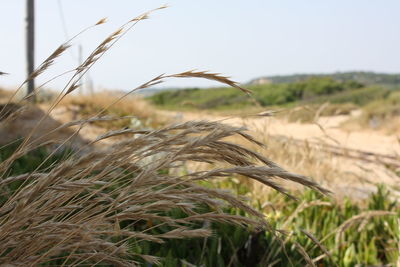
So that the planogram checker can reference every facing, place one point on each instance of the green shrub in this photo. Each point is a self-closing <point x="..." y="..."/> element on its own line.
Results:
<point x="370" y="240"/>
<point x="265" y="94"/>
<point x="359" y="97"/>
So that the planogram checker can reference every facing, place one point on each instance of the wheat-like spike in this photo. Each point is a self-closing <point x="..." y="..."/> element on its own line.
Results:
<point x="101" y="21"/>
<point x="305" y="255"/>
<point x="210" y="76"/>
<point x="49" y="61"/>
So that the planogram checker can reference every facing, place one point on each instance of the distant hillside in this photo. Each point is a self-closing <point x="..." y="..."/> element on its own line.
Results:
<point x="366" y="78"/>
<point x="152" y="91"/>
<point x="312" y="90"/>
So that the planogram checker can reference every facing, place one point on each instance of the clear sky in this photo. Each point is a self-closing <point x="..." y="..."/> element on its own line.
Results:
<point x="242" y="39"/>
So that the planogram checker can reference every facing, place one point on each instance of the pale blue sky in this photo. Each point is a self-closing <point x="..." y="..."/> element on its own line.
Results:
<point x="242" y="39"/>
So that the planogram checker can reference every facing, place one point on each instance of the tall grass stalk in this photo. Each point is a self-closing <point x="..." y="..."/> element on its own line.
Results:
<point x="91" y="208"/>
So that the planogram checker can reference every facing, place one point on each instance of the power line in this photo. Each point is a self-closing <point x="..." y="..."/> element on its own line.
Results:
<point x="79" y="58"/>
<point x="61" y="11"/>
<point x="65" y="28"/>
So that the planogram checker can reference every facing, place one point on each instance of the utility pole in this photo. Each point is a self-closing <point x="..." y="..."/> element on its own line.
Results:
<point x="30" y="44"/>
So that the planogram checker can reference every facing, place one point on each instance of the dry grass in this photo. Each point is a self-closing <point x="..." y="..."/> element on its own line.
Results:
<point x="4" y="95"/>
<point x="382" y="114"/>
<point x="303" y="158"/>
<point x="79" y="206"/>
<point x="134" y="107"/>
<point x="91" y="207"/>
<point x="310" y="113"/>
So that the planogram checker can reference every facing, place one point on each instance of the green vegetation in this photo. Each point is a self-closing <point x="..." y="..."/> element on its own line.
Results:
<point x="220" y="98"/>
<point x="351" y="234"/>
<point x="379" y="104"/>
<point x="313" y="90"/>
<point x="360" y="97"/>
<point x="367" y="78"/>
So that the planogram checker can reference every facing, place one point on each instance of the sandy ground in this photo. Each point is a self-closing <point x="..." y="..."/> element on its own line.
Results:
<point x="364" y="174"/>
<point x="326" y="130"/>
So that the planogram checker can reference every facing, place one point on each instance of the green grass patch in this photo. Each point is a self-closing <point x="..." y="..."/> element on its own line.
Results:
<point x="352" y="234"/>
<point x="311" y="91"/>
